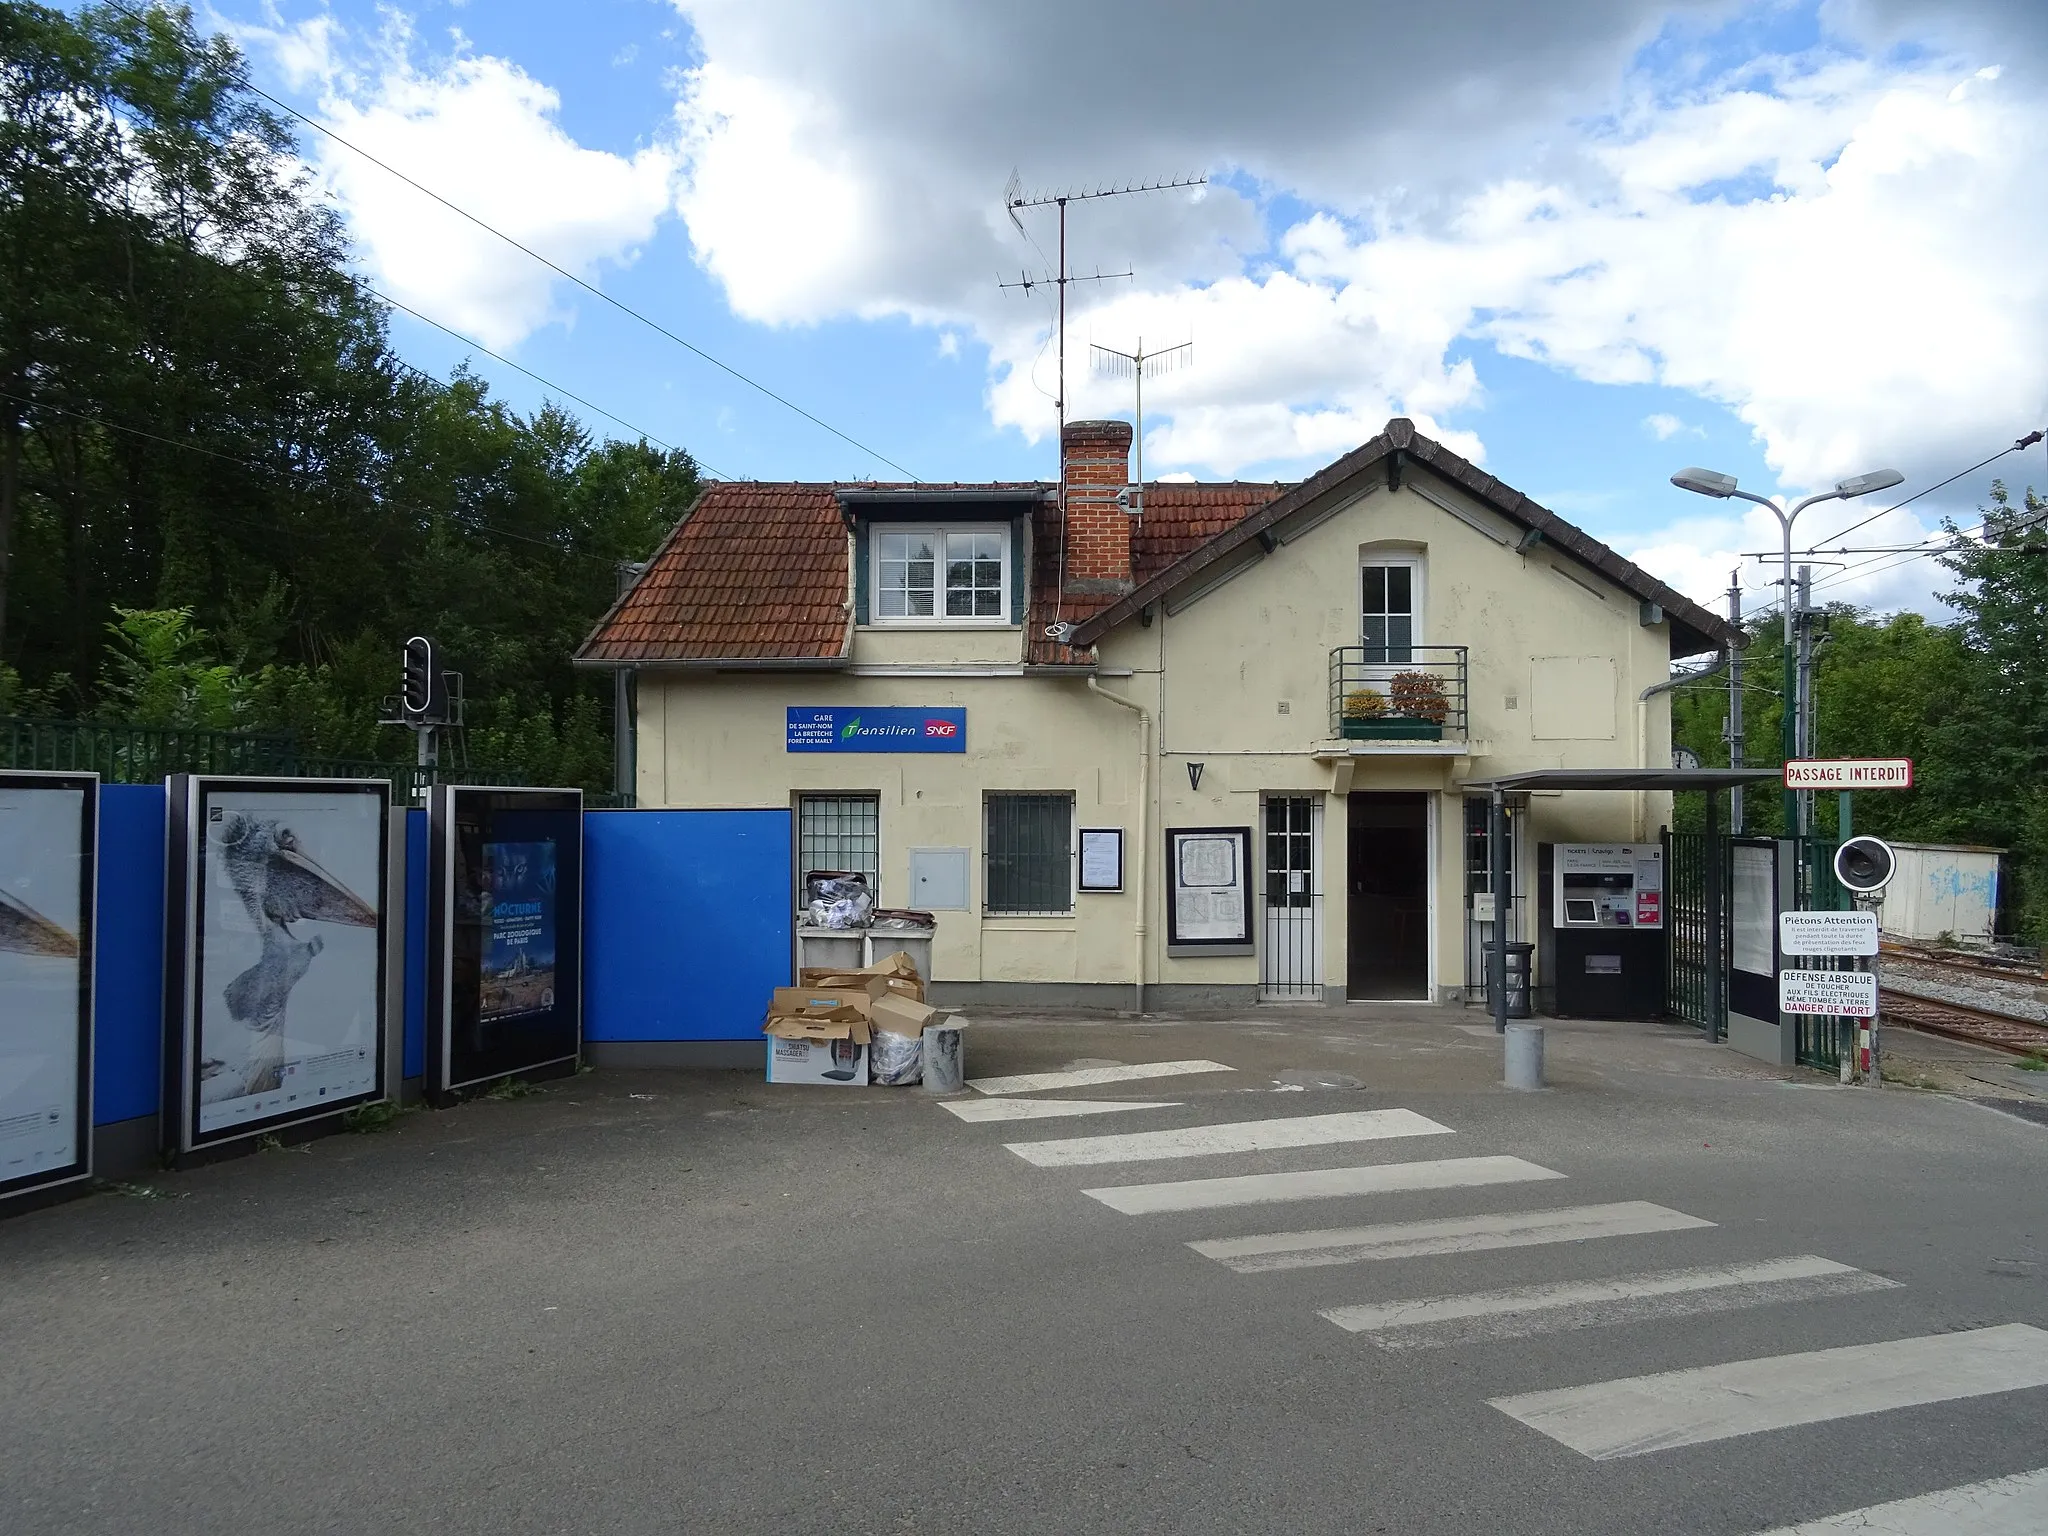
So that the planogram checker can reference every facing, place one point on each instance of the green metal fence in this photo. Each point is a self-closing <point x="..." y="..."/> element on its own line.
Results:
<point x="1691" y="925"/>
<point x="146" y="754"/>
<point x="1819" y="1041"/>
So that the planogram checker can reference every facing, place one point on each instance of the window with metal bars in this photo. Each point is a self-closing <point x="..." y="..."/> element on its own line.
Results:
<point x="1029" y="854"/>
<point x="1290" y="851"/>
<point x="1478" y="873"/>
<point x="839" y="832"/>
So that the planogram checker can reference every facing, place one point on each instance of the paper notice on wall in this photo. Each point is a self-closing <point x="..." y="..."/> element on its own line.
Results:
<point x="1209" y="888"/>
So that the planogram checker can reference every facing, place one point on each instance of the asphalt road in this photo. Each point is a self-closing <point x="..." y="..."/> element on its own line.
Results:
<point x="665" y="1302"/>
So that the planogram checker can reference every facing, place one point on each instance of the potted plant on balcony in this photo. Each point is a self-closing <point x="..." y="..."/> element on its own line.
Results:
<point x="1363" y="708"/>
<point x="1414" y="711"/>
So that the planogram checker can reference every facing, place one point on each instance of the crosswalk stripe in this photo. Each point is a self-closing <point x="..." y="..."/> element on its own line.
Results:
<point x="1456" y="1234"/>
<point x="980" y="1110"/>
<point x="2004" y="1506"/>
<point x="1640" y="1414"/>
<point x="1235" y="1136"/>
<point x="1316" y="1184"/>
<point x="1085" y="1077"/>
<point x="1429" y="1321"/>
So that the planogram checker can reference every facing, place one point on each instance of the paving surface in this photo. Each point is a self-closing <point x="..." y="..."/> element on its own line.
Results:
<point x="1348" y="1285"/>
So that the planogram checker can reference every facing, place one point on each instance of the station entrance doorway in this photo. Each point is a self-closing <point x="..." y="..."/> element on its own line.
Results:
<point x="1387" y="888"/>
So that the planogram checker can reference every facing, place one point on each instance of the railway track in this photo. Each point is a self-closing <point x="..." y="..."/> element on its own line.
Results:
<point x="2023" y="1037"/>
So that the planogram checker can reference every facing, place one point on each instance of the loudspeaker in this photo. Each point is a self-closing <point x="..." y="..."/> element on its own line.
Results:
<point x="1865" y="864"/>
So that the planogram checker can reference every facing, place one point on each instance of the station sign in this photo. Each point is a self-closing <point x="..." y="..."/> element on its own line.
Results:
<point x="872" y="729"/>
<point x="1849" y="773"/>
<point x="1842" y="994"/>
<point x="1827" y="933"/>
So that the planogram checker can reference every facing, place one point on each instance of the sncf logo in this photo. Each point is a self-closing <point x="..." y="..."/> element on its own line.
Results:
<point x="941" y="728"/>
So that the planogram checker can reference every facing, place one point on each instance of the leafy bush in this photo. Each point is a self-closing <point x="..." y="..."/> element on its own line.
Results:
<point x="1419" y="696"/>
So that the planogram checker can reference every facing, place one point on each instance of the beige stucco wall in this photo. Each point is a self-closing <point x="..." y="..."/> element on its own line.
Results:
<point x="1213" y="675"/>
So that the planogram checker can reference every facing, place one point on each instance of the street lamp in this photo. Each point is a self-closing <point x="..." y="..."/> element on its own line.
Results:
<point x="1708" y="482"/>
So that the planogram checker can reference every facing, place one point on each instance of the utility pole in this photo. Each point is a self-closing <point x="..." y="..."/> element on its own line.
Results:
<point x="1735" y="703"/>
<point x="1803" y="696"/>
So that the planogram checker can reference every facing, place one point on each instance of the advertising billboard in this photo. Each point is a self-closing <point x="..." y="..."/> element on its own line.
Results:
<point x="506" y="934"/>
<point x="275" y="980"/>
<point x="48" y="848"/>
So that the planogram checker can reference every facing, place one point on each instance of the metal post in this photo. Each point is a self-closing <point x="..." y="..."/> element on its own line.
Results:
<point x="1735" y="702"/>
<point x="1717" y="949"/>
<point x="1877" y="984"/>
<point x="1804" y="715"/>
<point x="1788" y="733"/>
<point x="1496" y="880"/>
<point x="1845" y="818"/>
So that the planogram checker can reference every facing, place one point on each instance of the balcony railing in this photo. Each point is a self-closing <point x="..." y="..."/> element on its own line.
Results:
<point x="1398" y="693"/>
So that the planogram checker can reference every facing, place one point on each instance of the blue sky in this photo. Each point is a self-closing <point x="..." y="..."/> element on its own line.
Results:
<point x="1772" y="238"/>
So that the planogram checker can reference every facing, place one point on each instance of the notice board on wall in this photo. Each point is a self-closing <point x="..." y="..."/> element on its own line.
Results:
<point x="1208" y="909"/>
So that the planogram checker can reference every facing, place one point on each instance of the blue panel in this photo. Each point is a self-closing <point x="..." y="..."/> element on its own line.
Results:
<point x="688" y="923"/>
<point x="128" y="957"/>
<point x="415" y="943"/>
<point x="815" y="728"/>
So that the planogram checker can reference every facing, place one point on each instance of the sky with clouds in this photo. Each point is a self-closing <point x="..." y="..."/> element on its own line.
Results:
<point x="1584" y="244"/>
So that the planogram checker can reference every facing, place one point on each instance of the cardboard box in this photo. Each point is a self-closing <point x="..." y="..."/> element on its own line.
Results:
<point x="903" y="1015"/>
<point x="848" y="991"/>
<point x="902" y="986"/>
<point x="822" y="1041"/>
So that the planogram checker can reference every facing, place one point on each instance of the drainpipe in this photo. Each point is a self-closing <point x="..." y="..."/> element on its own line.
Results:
<point x="1142" y="861"/>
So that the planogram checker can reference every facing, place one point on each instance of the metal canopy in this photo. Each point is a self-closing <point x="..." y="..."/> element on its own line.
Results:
<point x="1625" y="778"/>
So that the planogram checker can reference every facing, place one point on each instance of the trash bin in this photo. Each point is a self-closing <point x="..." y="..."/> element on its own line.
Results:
<point x="1518" y="980"/>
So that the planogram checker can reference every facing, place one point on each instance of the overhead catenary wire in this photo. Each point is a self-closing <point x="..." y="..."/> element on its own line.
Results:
<point x="557" y="268"/>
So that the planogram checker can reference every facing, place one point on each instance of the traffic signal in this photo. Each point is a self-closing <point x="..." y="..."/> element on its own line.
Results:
<point x="1865" y="864"/>
<point x="424" y="695"/>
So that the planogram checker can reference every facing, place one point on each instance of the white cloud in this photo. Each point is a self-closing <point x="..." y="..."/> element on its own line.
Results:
<point x="1826" y="246"/>
<point x="1663" y="426"/>
<point x="482" y="132"/>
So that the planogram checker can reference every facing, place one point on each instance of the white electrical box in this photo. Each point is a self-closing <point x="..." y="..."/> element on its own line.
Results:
<point x="1609" y="885"/>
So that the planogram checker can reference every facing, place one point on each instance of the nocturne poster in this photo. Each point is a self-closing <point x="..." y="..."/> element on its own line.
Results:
<point x="517" y="974"/>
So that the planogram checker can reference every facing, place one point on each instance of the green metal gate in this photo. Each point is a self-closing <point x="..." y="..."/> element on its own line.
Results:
<point x="1695" y="934"/>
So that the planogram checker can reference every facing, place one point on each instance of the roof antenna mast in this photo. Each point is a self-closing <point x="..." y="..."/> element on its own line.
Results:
<point x="1015" y="199"/>
<point x="1139" y="366"/>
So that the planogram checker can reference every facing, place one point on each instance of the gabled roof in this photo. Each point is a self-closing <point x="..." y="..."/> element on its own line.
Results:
<point x="1693" y="628"/>
<point x="756" y="572"/>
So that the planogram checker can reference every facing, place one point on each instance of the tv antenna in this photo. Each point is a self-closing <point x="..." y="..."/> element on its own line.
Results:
<point x="1138" y="366"/>
<point x="1016" y="199"/>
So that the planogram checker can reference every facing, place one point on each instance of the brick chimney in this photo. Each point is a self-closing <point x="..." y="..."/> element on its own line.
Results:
<point x="1095" y="458"/>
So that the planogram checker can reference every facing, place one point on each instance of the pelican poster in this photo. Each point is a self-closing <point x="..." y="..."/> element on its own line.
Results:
<point x="288" y="957"/>
<point x="45" y="968"/>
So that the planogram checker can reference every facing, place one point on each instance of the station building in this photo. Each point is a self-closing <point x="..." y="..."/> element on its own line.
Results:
<point x="1212" y="739"/>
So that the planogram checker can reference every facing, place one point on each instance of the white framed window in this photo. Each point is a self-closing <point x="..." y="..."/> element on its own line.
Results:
<point x="1390" y="609"/>
<point x="941" y="575"/>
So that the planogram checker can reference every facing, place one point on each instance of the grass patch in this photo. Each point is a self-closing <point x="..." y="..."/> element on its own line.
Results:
<point x="511" y="1088"/>
<point x="269" y="1144"/>
<point x="365" y="1118"/>
<point x="2033" y="1061"/>
<point x="129" y="1190"/>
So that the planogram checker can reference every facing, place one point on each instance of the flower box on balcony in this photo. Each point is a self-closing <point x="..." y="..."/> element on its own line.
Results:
<point x="1391" y="728"/>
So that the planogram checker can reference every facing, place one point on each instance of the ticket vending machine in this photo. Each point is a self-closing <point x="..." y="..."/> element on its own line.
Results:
<point x="1607" y="908"/>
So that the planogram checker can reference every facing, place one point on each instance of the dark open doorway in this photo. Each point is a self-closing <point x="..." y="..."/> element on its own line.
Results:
<point x="1388" y="882"/>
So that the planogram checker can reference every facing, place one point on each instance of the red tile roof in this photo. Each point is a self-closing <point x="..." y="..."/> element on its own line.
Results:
<point x="1179" y="516"/>
<point x="757" y="571"/>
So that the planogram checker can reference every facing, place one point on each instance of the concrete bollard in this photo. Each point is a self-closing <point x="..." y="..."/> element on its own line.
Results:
<point x="1524" y="1047"/>
<point x="945" y="1058"/>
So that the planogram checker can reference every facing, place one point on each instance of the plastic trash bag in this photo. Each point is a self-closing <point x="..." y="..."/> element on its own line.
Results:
<point x="898" y="1059"/>
<point x="837" y="899"/>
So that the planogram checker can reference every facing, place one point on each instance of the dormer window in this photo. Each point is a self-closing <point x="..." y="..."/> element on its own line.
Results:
<point x="941" y="575"/>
